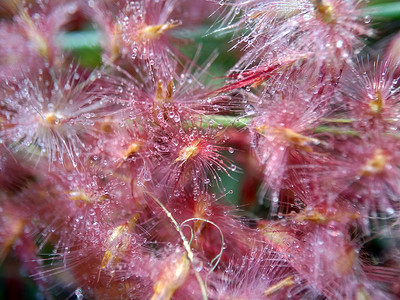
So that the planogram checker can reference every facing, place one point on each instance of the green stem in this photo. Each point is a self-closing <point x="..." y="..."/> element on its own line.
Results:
<point x="384" y="10"/>
<point x="336" y="130"/>
<point x="216" y="121"/>
<point x="80" y="39"/>
<point x="235" y="122"/>
<point x="339" y="120"/>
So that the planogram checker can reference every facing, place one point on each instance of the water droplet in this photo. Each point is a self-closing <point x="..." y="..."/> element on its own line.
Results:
<point x="147" y="176"/>
<point x="197" y="264"/>
<point x="390" y="211"/>
<point x="231" y="150"/>
<point x="249" y="109"/>
<point x="79" y="294"/>
<point x="275" y="197"/>
<point x="307" y="17"/>
<point x="334" y="233"/>
<point x="134" y="52"/>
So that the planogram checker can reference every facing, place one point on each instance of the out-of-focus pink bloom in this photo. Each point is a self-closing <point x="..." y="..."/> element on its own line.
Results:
<point x="31" y="41"/>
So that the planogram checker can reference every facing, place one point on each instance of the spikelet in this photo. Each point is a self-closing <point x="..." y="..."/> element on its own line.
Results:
<point x="52" y="114"/>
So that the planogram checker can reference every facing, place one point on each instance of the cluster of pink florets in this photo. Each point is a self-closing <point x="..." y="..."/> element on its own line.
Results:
<point x="113" y="180"/>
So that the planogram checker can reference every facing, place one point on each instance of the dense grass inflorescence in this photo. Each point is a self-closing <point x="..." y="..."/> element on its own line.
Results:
<point x="176" y="149"/>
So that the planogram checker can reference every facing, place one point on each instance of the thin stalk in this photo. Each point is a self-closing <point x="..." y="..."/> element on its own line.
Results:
<point x="217" y="121"/>
<point x="335" y="130"/>
<point x="186" y="245"/>
<point x="338" y="120"/>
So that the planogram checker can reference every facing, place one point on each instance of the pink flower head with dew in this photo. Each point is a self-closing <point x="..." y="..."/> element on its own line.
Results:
<point x="283" y="131"/>
<point x="371" y="94"/>
<point x="141" y="32"/>
<point x="54" y="119"/>
<point x="330" y="29"/>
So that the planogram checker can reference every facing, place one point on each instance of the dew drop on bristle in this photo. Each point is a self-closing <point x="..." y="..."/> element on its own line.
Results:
<point x="390" y="211"/>
<point x="79" y="294"/>
<point x="249" y="110"/>
<point x="197" y="264"/>
<point x="275" y="197"/>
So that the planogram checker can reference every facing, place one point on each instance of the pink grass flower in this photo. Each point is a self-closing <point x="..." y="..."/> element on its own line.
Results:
<point x="141" y="32"/>
<point x="183" y="147"/>
<point x="259" y="275"/>
<point x="52" y="114"/>
<point x="128" y="155"/>
<point x="96" y="238"/>
<point x="215" y="230"/>
<point x="358" y="170"/>
<point x="372" y="97"/>
<point x="317" y="242"/>
<point x="118" y="175"/>
<point x="372" y="176"/>
<point x="331" y="29"/>
<point x="104" y="257"/>
<point x="191" y="153"/>
<point x="283" y="134"/>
